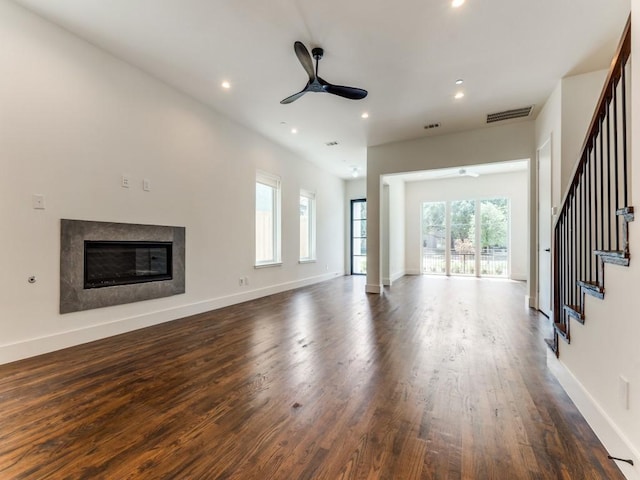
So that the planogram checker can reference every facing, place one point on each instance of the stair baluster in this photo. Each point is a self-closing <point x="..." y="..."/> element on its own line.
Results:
<point x="592" y="227"/>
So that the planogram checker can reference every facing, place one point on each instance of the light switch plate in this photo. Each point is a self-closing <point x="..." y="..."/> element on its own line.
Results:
<point x="623" y="392"/>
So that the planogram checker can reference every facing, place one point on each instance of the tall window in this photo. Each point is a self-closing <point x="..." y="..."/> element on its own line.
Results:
<point x="434" y="237"/>
<point x="307" y="226"/>
<point x="267" y="219"/>
<point x="358" y="237"/>
<point x="463" y="237"/>
<point x="494" y="237"/>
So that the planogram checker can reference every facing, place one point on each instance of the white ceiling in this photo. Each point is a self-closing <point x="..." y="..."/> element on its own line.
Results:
<point x="457" y="172"/>
<point x="406" y="53"/>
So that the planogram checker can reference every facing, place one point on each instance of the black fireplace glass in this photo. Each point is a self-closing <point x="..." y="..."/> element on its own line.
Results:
<point x="109" y="263"/>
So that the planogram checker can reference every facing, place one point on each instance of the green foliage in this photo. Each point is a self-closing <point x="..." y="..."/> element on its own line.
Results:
<point x="493" y="221"/>
<point x="463" y="214"/>
<point x="433" y="225"/>
<point x="494" y="214"/>
<point x="433" y="216"/>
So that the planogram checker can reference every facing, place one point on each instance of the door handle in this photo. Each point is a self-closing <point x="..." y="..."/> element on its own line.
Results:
<point x="547" y="249"/>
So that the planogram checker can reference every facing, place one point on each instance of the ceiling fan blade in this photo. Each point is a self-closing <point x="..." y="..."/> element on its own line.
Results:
<point x="293" y="97"/>
<point x="352" y="93"/>
<point x="305" y="59"/>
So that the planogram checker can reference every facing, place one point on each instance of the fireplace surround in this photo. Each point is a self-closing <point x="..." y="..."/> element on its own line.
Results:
<point x="106" y="263"/>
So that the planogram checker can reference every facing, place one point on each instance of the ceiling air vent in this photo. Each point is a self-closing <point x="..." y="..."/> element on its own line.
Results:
<point x="331" y="144"/>
<point x="510" y="114"/>
<point x="431" y="126"/>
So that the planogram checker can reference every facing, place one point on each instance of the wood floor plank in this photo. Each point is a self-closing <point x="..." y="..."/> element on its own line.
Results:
<point x="438" y="378"/>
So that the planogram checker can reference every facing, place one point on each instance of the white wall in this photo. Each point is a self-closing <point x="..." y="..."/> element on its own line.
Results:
<point x="606" y="346"/>
<point x="397" y="229"/>
<point x="510" y="185"/>
<point x="392" y="228"/>
<point x="73" y="120"/>
<point x="384" y="235"/>
<point x="565" y="118"/>
<point x="549" y="126"/>
<point x="580" y="94"/>
<point x="495" y="144"/>
<point x="355" y="189"/>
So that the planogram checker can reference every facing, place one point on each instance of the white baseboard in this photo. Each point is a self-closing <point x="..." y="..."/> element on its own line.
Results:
<point x="530" y="302"/>
<point x="370" y="288"/>
<point x="388" y="281"/>
<point x="521" y="276"/>
<point x="40" y="345"/>
<point x="397" y="276"/>
<point x="616" y="443"/>
<point x="412" y="272"/>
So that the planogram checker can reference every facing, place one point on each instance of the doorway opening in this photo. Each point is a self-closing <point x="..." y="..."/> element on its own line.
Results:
<point x="545" y="221"/>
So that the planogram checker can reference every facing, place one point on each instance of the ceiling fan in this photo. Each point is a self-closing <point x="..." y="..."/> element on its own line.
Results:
<point x="317" y="84"/>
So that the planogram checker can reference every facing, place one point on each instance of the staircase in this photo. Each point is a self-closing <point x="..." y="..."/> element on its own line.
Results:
<point x="591" y="228"/>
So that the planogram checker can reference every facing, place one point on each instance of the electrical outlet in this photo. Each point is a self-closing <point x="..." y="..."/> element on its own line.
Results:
<point x="37" y="201"/>
<point x="241" y="281"/>
<point x="146" y="185"/>
<point x="125" y="181"/>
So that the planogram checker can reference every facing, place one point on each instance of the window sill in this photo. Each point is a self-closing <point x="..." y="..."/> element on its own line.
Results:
<point x="267" y="265"/>
<point x="310" y="260"/>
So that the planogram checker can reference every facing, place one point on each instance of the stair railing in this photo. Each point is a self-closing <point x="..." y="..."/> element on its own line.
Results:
<point x="591" y="227"/>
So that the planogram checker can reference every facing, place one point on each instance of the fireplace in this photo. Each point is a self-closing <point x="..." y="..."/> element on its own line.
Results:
<point x="124" y="263"/>
<point x="105" y="263"/>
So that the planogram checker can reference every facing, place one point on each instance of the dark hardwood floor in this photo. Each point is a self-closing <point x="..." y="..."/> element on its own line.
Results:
<point x="436" y="379"/>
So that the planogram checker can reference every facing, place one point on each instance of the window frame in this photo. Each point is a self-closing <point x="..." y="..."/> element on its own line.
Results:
<point x="352" y="239"/>
<point x="479" y="228"/>
<point x="311" y="227"/>
<point x="272" y="181"/>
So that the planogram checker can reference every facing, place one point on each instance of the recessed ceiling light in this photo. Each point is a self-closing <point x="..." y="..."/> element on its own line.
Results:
<point x="354" y="172"/>
<point x="226" y="85"/>
<point x="365" y="115"/>
<point x="294" y="130"/>
<point x="457" y="3"/>
<point x="458" y="95"/>
<point x="459" y="81"/>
